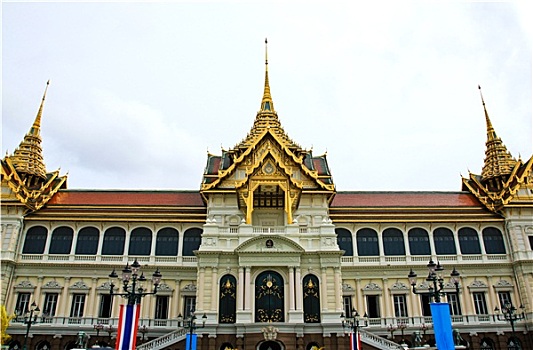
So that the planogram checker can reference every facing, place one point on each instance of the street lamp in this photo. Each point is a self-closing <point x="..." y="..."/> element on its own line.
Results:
<point x="143" y="329"/>
<point x="392" y="328"/>
<point x="30" y="318"/>
<point x="353" y="323"/>
<point x="435" y="277"/>
<point x="509" y="314"/>
<point x="190" y="323"/>
<point x="110" y="329"/>
<point x="98" y="327"/>
<point x="132" y="283"/>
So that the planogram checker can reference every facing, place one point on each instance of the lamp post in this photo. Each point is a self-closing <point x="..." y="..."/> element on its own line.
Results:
<point x="442" y="322"/>
<point x="402" y="326"/>
<point x="30" y="319"/>
<point x="392" y="328"/>
<point x="98" y="327"/>
<point x="435" y="277"/>
<point x="354" y="322"/>
<point x="132" y="283"/>
<point x="143" y="329"/>
<point x="509" y="314"/>
<point x="110" y="329"/>
<point x="191" y="324"/>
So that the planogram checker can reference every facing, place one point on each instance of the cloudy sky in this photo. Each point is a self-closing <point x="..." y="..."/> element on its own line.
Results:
<point x="140" y="92"/>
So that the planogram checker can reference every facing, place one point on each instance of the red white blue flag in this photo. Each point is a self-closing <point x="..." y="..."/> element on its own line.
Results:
<point x="127" y="327"/>
<point x="355" y="341"/>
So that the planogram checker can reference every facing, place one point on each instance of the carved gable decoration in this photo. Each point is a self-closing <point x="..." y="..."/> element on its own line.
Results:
<point x="104" y="286"/>
<point x="478" y="285"/>
<point x="347" y="288"/>
<point x="399" y="286"/>
<point x="503" y="284"/>
<point x="52" y="286"/>
<point x="189" y="288"/>
<point x="371" y="287"/>
<point x="269" y="244"/>
<point x="25" y="285"/>
<point x="80" y="285"/>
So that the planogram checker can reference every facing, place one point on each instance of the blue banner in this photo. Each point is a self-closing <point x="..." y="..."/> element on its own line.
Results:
<point x="442" y="325"/>
<point x="190" y="343"/>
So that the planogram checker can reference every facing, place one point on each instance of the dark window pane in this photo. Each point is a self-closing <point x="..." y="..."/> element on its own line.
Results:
<point x="469" y="241"/>
<point x="35" y="240"/>
<point x="140" y="241"/>
<point x="228" y="299"/>
<point x="444" y="241"/>
<point x="88" y="241"/>
<point x="367" y="242"/>
<point x="344" y="240"/>
<point x="393" y="242"/>
<point x="493" y="240"/>
<point x="61" y="240"/>
<point x="419" y="242"/>
<point x="114" y="238"/>
<point x="167" y="242"/>
<point x="191" y="241"/>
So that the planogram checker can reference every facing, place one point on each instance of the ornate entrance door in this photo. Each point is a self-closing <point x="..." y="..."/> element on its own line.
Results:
<point x="269" y="297"/>
<point x="270" y="345"/>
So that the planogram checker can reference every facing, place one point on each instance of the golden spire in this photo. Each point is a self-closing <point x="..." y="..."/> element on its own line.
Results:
<point x="27" y="158"/>
<point x="266" y="104"/>
<point x="498" y="160"/>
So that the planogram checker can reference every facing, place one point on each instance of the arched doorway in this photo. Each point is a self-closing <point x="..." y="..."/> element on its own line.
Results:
<point x="270" y="345"/>
<point x="269" y="297"/>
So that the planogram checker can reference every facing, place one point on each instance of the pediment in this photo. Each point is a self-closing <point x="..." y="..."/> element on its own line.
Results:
<point x="269" y="244"/>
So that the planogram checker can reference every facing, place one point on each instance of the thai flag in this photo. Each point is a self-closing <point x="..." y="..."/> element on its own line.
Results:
<point x="127" y="327"/>
<point x="355" y="341"/>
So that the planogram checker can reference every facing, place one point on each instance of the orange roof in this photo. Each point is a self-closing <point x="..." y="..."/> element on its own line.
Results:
<point x="131" y="198"/>
<point x="405" y="199"/>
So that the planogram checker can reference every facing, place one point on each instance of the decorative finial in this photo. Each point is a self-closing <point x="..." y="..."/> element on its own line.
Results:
<point x="37" y="122"/>
<point x="266" y="52"/>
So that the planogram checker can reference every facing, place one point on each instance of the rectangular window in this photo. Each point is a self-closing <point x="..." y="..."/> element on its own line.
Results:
<point x="455" y="305"/>
<point x="106" y="305"/>
<point x="479" y="303"/>
<point x="400" y="305"/>
<point x="23" y="303"/>
<point x="347" y="303"/>
<point x="78" y="304"/>
<point x="372" y="306"/>
<point x="50" y="304"/>
<point x="161" y="307"/>
<point x="425" y="300"/>
<point x="189" y="307"/>
<point x="504" y="298"/>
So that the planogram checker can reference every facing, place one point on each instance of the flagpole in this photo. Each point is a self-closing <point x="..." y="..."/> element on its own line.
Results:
<point x="354" y="322"/>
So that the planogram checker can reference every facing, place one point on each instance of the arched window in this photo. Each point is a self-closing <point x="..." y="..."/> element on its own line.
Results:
<point x="167" y="242"/>
<point x="88" y="241"/>
<point x="140" y="241"/>
<point x="61" y="242"/>
<point x="493" y="240"/>
<point x="469" y="241"/>
<point x="486" y="344"/>
<point x="311" y="296"/>
<point x="191" y="241"/>
<point x="114" y="238"/>
<point x="35" y="240"/>
<point x="344" y="240"/>
<point x="367" y="242"/>
<point x="393" y="242"/>
<point x="444" y="241"/>
<point x="269" y="297"/>
<point x="419" y="242"/>
<point x="228" y="306"/>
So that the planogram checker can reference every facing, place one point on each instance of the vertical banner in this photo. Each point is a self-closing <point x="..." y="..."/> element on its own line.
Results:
<point x="127" y="327"/>
<point x="355" y="341"/>
<point x="190" y="341"/>
<point x="442" y="325"/>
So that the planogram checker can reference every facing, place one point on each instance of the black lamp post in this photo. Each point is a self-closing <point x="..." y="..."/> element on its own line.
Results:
<point x="143" y="329"/>
<point x="191" y="324"/>
<point x="435" y="277"/>
<point x="98" y="327"/>
<point x="509" y="314"/>
<point x="353" y="322"/>
<point x="132" y="283"/>
<point x="109" y="329"/>
<point x="30" y="319"/>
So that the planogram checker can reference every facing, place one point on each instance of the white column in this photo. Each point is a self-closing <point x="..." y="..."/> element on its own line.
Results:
<point x="291" y="288"/>
<point x="431" y="243"/>
<point x="176" y="299"/>
<point x="240" y="290"/>
<point x="214" y="289"/>
<point x="64" y="299"/>
<point x="338" y="293"/>
<point x="298" y="288"/>
<point x="200" y="288"/>
<point x="324" y="288"/>
<point x="93" y="305"/>
<point x="386" y="298"/>
<point x="249" y="289"/>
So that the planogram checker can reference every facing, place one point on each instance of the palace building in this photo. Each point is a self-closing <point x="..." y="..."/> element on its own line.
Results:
<point x="268" y="251"/>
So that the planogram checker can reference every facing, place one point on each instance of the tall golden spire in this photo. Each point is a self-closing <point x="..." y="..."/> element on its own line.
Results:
<point x="27" y="158"/>
<point x="266" y="104"/>
<point x="498" y="160"/>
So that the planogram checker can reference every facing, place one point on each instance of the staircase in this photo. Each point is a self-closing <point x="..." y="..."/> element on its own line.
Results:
<point x="180" y="333"/>
<point x="378" y="342"/>
<point x="164" y="341"/>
